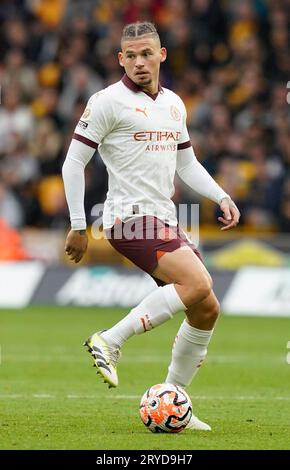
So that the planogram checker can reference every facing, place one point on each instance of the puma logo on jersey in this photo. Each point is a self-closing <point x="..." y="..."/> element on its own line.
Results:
<point x="138" y="110"/>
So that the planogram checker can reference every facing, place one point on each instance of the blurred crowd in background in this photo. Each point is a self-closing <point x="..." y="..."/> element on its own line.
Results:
<point x="229" y="60"/>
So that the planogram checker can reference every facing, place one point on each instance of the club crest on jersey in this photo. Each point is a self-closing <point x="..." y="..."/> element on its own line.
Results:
<point x="175" y="113"/>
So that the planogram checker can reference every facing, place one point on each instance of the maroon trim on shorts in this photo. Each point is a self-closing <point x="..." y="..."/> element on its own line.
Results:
<point x="184" y="145"/>
<point x="85" y="141"/>
<point x="143" y="251"/>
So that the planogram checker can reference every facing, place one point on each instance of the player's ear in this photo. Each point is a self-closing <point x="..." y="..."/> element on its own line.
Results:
<point x="120" y="57"/>
<point x="163" y="53"/>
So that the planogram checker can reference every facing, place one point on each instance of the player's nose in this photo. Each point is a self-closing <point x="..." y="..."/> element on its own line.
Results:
<point x="139" y="62"/>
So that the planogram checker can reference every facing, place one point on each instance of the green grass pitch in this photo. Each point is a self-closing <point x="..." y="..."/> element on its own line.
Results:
<point x="51" y="397"/>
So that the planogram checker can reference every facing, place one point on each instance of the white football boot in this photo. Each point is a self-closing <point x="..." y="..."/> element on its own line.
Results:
<point x="197" y="425"/>
<point x="105" y="358"/>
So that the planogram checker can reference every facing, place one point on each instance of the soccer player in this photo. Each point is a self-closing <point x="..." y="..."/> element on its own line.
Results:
<point x="139" y="129"/>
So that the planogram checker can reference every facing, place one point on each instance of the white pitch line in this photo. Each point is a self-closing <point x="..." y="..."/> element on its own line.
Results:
<point x="205" y="397"/>
<point x="83" y="397"/>
<point x="43" y="395"/>
<point x="154" y="359"/>
<point x="10" y="395"/>
<point x="136" y="397"/>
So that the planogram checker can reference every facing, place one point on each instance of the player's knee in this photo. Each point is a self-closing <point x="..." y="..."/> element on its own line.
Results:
<point x="203" y="289"/>
<point x="199" y="290"/>
<point x="216" y="309"/>
<point x="210" y="280"/>
<point x="212" y="311"/>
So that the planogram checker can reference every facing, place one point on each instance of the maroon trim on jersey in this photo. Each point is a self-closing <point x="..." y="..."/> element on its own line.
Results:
<point x="85" y="141"/>
<point x="184" y="145"/>
<point x="136" y="88"/>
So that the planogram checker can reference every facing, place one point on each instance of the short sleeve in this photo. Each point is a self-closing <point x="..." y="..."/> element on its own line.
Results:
<point x="184" y="140"/>
<point x="97" y="120"/>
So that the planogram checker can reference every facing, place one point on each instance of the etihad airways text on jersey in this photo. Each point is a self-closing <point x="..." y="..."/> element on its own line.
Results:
<point x="157" y="136"/>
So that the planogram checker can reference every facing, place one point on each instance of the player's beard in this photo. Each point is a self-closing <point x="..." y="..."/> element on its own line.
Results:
<point x="143" y="81"/>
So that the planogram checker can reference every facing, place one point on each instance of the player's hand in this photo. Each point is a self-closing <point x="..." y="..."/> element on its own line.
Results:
<point x="231" y="214"/>
<point x="76" y="244"/>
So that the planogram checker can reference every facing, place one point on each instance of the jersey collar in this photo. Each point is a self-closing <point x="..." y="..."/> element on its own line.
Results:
<point x="136" y="88"/>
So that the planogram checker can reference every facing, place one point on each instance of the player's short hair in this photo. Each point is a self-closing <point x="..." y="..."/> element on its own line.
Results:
<point x="135" y="30"/>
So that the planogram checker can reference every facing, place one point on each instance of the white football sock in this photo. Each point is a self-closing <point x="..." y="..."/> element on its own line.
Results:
<point x="158" y="307"/>
<point x="188" y="352"/>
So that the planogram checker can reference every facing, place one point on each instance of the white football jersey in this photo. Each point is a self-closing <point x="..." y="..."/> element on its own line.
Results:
<point x="137" y="135"/>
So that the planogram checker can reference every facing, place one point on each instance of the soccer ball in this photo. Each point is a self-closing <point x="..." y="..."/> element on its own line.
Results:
<point x="165" y="408"/>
